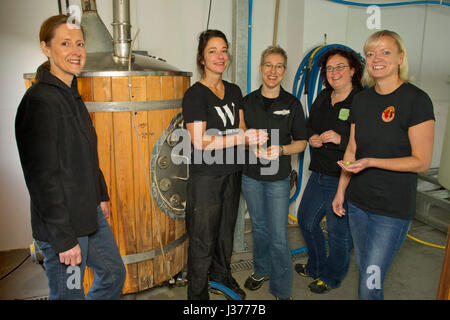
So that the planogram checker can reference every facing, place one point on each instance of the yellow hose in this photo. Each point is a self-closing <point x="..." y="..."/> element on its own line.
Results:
<point x="425" y="243"/>
<point x="409" y="236"/>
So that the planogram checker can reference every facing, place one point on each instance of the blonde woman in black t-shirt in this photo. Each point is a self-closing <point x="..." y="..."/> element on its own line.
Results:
<point x="391" y="140"/>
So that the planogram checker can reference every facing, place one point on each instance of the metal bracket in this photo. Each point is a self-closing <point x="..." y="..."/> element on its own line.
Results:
<point x="149" y="255"/>
<point x="433" y="206"/>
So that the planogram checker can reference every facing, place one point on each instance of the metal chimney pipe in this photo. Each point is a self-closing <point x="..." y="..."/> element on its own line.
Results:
<point x="89" y="5"/>
<point x="121" y="28"/>
<point x="97" y="36"/>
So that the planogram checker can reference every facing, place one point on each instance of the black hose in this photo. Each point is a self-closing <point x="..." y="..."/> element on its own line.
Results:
<point x="15" y="268"/>
<point x="209" y="14"/>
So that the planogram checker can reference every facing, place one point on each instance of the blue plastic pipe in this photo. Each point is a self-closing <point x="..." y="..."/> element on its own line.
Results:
<point x="233" y="295"/>
<point x="249" y="55"/>
<point x="358" y="4"/>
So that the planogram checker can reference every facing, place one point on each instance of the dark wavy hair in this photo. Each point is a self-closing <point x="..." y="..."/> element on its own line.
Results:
<point x="354" y="62"/>
<point x="203" y="41"/>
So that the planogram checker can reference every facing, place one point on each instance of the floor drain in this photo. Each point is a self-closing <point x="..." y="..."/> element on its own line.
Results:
<point x="245" y="265"/>
<point x="39" y="298"/>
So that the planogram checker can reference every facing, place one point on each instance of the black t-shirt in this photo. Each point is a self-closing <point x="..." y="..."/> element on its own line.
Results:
<point x="323" y="117"/>
<point x="284" y="114"/>
<point x="222" y="119"/>
<point x="381" y="131"/>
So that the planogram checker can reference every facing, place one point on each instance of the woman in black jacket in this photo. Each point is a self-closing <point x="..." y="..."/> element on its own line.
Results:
<point x="58" y="152"/>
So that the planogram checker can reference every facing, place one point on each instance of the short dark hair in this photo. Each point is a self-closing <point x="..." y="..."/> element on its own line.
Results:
<point x="354" y="62"/>
<point x="203" y="41"/>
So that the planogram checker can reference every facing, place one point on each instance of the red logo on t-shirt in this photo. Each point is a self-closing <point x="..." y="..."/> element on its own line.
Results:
<point x="388" y="114"/>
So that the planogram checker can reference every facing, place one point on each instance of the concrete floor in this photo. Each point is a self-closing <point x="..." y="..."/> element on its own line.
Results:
<point x="414" y="274"/>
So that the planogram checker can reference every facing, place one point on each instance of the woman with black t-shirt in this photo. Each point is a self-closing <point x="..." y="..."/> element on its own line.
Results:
<point x="211" y="111"/>
<point x="328" y="128"/>
<point x="391" y="139"/>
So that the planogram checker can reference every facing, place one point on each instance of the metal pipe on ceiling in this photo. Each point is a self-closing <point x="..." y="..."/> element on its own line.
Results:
<point x="121" y="28"/>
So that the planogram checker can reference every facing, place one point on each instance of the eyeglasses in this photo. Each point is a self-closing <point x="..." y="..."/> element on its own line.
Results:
<point x="339" y="67"/>
<point x="278" y="67"/>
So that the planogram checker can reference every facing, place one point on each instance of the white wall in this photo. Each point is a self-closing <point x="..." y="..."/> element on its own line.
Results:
<point x="169" y="29"/>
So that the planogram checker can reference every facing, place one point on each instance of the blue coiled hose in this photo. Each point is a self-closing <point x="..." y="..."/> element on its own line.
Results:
<point x="358" y="4"/>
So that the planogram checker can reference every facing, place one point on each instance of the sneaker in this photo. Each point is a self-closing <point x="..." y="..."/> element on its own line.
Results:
<point x="301" y="269"/>
<point x="254" y="282"/>
<point x="318" y="286"/>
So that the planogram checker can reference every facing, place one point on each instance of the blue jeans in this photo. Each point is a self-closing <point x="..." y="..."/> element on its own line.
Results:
<point x="268" y="206"/>
<point x="98" y="251"/>
<point x="377" y="240"/>
<point x="314" y="206"/>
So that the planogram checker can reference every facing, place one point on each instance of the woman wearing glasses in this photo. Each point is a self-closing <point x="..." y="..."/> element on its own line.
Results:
<point x="266" y="182"/>
<point x="328" y="128"/>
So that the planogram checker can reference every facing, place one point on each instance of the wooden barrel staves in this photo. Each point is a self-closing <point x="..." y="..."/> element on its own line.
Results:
<point x="141" y="229"/>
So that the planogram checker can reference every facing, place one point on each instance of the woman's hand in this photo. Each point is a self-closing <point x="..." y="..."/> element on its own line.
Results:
<point x="71" y="257"/>
<point x="256" y="136"/>
<point x="354" y="166"/>
<point x="315" y="141"/>
<point x="338" y="205"/>
<point x="271" y="153"/>
<point x="105" y="208"/>
<point x="330" y="137"/>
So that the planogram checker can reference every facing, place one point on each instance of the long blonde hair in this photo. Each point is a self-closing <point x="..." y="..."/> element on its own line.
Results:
<point x="367" y="79"/>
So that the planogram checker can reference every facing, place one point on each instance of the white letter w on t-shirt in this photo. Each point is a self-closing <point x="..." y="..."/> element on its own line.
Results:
<point x="221" y="114"/>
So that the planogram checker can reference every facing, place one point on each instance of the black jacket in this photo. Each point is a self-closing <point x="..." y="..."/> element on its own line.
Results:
<point x="58" y="152"/>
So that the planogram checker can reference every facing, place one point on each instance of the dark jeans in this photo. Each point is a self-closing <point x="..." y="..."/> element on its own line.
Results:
<point x="99" y="251"/>
<point x="211" y="213"/>
<point x="314" y="206"/>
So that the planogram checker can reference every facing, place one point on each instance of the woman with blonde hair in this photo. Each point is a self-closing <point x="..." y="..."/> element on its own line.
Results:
<point x="391" y="140"/>
<point x="266" y="190"/>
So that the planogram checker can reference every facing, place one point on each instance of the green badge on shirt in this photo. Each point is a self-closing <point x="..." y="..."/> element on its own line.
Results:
<point x="344" y="113"/>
